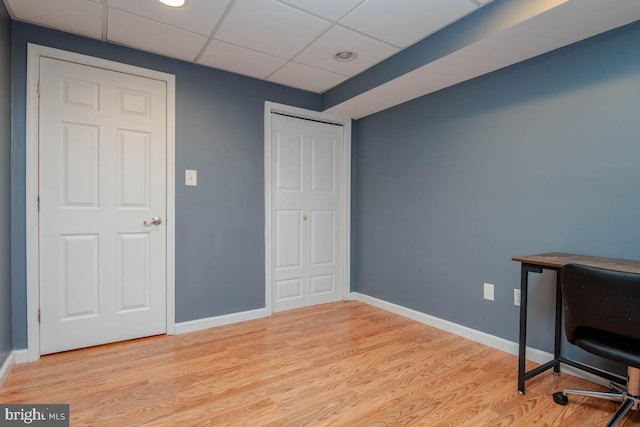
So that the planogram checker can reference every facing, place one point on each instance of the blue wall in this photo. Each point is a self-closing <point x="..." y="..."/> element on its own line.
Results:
<point x="542" y="156"/>
<point x="219" y="132"/>
<point x="5" y="184"/>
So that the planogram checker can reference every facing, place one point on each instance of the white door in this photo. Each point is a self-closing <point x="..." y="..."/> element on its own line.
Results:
<point x="306" y="210"/>
<point x="102" y="175"/>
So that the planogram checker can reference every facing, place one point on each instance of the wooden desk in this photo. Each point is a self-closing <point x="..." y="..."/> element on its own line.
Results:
<point x="555" y="261"/>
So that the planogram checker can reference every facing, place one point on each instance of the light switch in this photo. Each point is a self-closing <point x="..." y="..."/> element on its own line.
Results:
<point x="190" y="177"/>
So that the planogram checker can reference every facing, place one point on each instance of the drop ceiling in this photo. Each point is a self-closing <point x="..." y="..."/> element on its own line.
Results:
<point x="291" y="42"/>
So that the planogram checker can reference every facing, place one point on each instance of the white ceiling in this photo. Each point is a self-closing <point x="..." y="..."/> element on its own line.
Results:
<point x="291" y="42"/>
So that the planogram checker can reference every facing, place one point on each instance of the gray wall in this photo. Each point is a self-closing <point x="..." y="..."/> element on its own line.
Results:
<point x="5" y="184"/>
<point x="542" y="156"/>
<point x="219" y="132"/>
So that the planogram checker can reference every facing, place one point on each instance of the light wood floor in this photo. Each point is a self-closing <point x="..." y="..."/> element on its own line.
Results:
<point x="343" y="364"/>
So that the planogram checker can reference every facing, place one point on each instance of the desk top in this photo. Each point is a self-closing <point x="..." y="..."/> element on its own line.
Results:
<point x="559" y="260"/>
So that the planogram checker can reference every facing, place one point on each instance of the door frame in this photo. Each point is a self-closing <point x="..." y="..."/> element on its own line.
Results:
<point x="345" y="218"/>
<point x="34" y="53"/>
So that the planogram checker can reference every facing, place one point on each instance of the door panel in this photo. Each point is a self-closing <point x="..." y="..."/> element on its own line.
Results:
<point x="102" y="174"/>
<point x="289" y="161"/>
<point x="322" y="164"/>
<point x="323" y="284"/>
<point x="288" y="238"/>
<point x="133" y="275"/>
<point x="322" y="237"/>
<point x="287" y="290"/>
<point x="306" y="205"/>
<point x="133" y="169"/>
<point x="80" y="156"/>
<point x="80" y="93"/>
<point x="80" y="276"/>
<point x="134" y="102"/>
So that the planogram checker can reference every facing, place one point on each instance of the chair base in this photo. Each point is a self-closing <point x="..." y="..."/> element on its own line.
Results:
<point x="618" y="393"/>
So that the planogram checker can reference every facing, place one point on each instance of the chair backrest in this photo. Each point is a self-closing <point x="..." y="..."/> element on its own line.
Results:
<point x="601" y="299"/>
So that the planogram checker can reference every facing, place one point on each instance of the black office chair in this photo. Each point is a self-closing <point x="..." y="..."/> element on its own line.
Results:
<point x="602" y="316"/>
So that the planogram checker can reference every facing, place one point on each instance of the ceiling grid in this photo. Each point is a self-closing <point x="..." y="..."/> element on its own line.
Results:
<point x="273" y="40"/>
<point x="304" y="43"/>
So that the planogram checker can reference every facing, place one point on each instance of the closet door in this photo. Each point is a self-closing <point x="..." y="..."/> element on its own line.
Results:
<point x="306" y="165"/>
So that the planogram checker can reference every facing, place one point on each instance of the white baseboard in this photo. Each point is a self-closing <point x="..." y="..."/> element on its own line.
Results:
<point x="21" y="356"/>
<point x="227" y="319"/>
<point x="533" y="354"/>
<point x="15" y="357"/>
<point x="6" y="367"/>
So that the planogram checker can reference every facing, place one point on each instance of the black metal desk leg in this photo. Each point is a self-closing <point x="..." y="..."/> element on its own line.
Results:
<point x="522" y="349"/>
<point x="558" y="333"/>
<point x="522" y="343"/>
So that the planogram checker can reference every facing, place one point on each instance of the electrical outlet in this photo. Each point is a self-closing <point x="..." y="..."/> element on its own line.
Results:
<point x="488" y="291"/>
<point x="516" y="297"/>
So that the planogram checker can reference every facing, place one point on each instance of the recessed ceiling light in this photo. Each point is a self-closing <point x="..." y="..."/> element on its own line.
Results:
<point x="174" y="3"/>
<point x="345" y="56"/>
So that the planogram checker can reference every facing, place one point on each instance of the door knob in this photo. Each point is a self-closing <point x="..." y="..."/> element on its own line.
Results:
<point x="156" y="220"/>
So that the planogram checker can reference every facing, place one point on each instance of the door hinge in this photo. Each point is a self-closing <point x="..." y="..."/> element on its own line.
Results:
<point x="38" y="315"/>
<point x="38" y="88"/>
<point x="38" y="203"/>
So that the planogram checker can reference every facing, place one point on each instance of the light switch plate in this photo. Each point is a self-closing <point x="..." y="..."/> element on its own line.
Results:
<point x="488" y="291"/>
<point x="190" y="177"/>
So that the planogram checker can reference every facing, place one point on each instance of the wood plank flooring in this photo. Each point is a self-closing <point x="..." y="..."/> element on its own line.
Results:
<point x="343" y="364"/>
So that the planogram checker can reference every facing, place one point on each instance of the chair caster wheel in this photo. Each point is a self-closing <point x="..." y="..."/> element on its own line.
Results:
<point x="560" y="398"/>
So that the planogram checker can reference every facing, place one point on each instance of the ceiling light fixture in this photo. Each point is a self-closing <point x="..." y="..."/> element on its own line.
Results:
<point x="345" y="56"/>
<point x="174" y="3"/>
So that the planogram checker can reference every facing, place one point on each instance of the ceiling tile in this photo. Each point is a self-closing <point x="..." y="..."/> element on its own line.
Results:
<point x="73" y="16"/>
<point x="270" y="27"/>
<point x="198" y="16"/>
<point x="304" y="77"/>
<point x="240" y="60"/>
<point x="321" y="52"/>
<point x="152" y="36"/>
<point x="333" y="10"/>
<point x="404" y="22"/>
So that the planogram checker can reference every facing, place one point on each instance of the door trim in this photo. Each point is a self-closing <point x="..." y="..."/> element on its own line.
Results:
<point x="34" y="53"/>
<point x="345" y="219"/>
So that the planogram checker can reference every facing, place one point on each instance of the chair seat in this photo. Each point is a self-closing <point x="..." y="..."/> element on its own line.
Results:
<point x="613" y="347"/>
